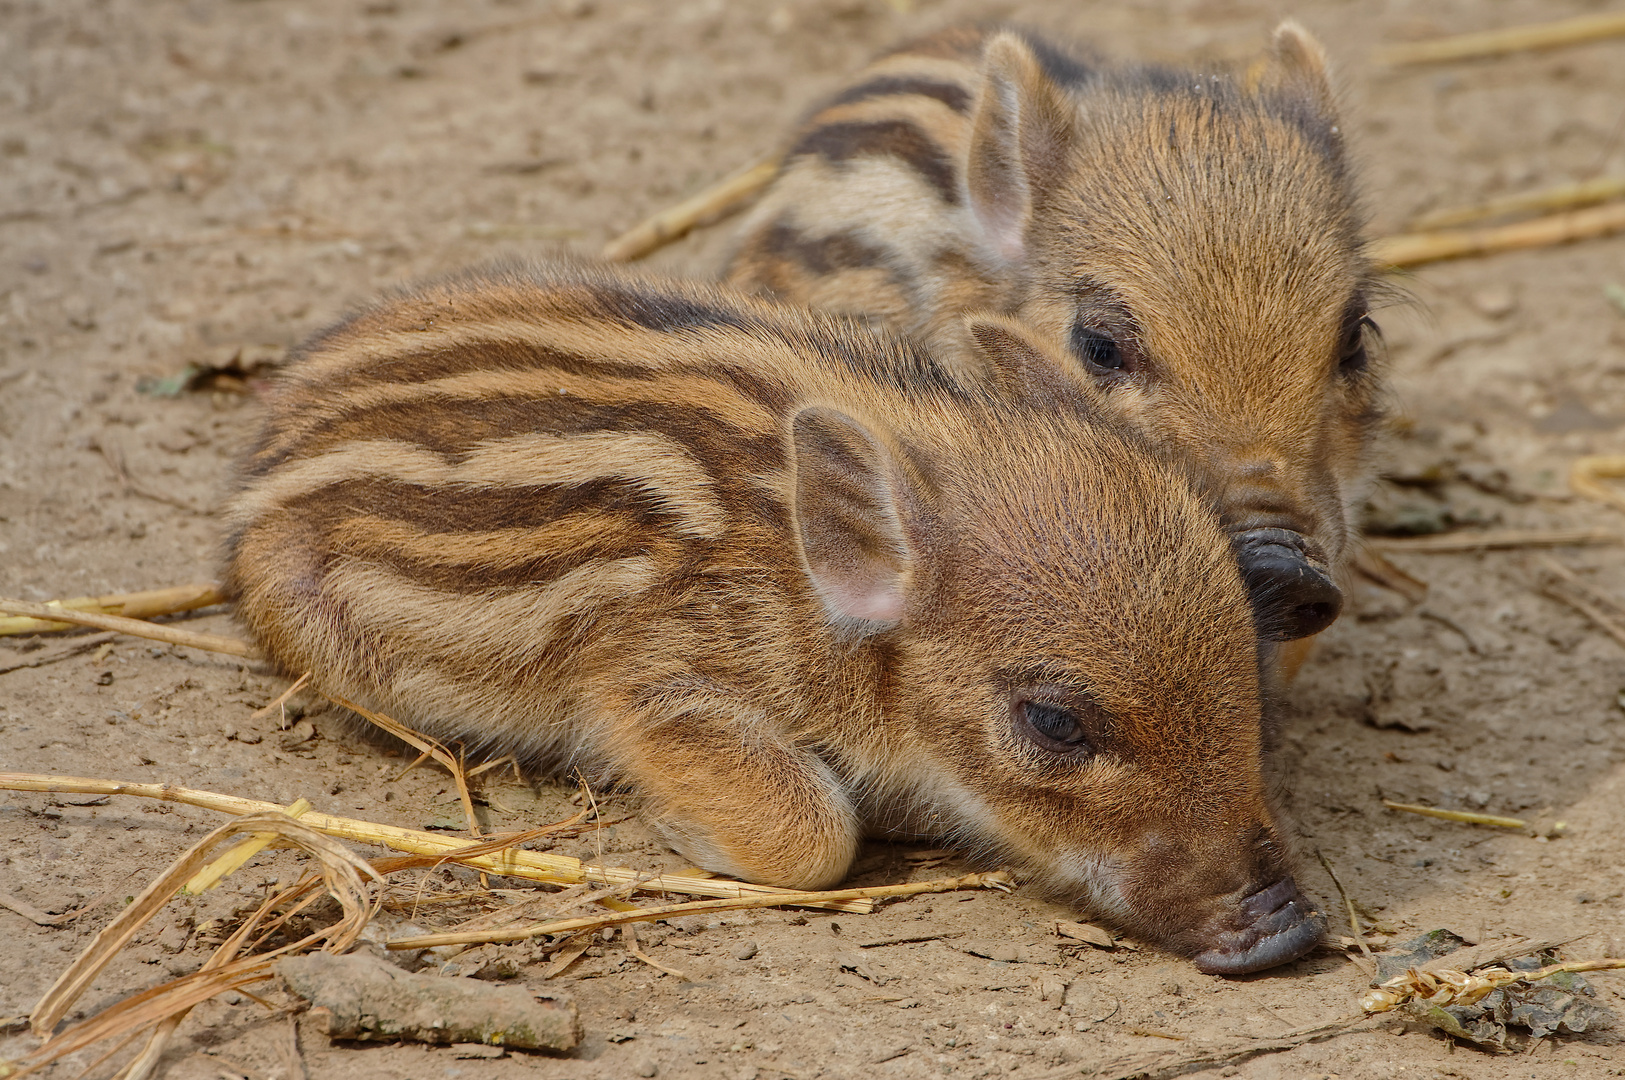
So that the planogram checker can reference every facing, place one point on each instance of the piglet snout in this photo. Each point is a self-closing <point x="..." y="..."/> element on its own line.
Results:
<point x="1273" y="925"/>
<point x="1293" y="595"/>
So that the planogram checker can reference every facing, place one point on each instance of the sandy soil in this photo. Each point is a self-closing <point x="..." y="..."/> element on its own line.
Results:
<point x="181" y="182"/>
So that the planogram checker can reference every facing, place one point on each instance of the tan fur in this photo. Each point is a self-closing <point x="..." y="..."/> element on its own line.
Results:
<point x="783" y="578"/>
<point x="1203" y="220"/>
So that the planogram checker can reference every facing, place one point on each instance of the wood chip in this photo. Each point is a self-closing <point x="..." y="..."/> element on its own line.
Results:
<point x="1086" y="932"/>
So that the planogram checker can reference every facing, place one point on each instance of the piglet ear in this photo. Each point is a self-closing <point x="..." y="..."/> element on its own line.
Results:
<point x="1023" y="369"/>
<point x="1297" y="62"/>
<point x="1018" y="144"/>
<point x="847" y="520"/>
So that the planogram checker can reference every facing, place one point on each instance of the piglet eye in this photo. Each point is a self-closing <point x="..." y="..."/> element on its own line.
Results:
<point x="1097" y="349"/>
<point x="1054" y="728"/>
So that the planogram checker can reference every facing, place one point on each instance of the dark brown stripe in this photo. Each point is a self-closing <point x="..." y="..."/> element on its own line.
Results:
<point x="489" y="354"/>
<point x="547" y="566"/>
<point x="450" y="510"/>
<point x="898" y="363"/>
<point x="827" y="254"/>
<point x="457" y="428"/>
<point x="884" y="138"/>
<point x="955" y="97"/>
<point x="660" y="311"/>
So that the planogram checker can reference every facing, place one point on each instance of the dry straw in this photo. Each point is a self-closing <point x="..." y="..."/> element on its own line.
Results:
<point x="1513" y="39"/>
<point x="492" y="855"/>
<point x="136" y="605"/>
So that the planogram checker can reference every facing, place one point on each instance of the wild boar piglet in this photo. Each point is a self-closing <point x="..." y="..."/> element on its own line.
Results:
<point x="1187" y="238"/>
<point x="783" y="578"/>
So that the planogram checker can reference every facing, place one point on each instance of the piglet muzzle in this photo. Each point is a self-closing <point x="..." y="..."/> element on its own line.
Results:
<point x="1292" y="592"/>
<point x="1272" y="926"/>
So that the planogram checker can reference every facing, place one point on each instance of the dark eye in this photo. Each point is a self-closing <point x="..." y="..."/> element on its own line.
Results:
<point x="1053" y="727"/>
<point x="1097" y="349"/>
<point x="1352" y="357"/>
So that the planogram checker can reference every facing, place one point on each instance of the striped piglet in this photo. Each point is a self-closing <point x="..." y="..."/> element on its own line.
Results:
<point x="783" y="578"/>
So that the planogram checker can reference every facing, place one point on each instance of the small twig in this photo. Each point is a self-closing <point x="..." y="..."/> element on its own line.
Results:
<point x="134" y="628"/>
<point x="489" y="765"/>
<point x="1162" y="1066"/>
<point x="1451" y="624"/>
<point x="1586" y="477"/>
<point x="1354" y="921"/>
<point x="1486" y="43"/>
<point x="292" y="1056"/>
<point x="136" y="605"/>
<point x="1464" y="816"/>
<point x="1414" y="249"/>
<point x="673" y="224"/>
<point x="1370" y="563"/>
<point x="1584" y="606"/>
<point x="115" y="461"/>
<point x="995" y="880"/>
<point x="1562" y="197"/>
<point x="76" y="647"/>
<point x="280" y="699"/>
<point x="572" y="951"/>
<point x="1606" y="613"/>
<point x="630" y="932"/>
<point x="1492" y="540"/>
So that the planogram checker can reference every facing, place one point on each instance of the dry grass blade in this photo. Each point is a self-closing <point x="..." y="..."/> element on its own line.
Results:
<point x="432" y="747"/>
<point x="493" y="854"/>
<point x="134" y="628"/>
<point x="1586" y="477"/>
<point x="342" y="869"/>
<point x="1466" y="817"/>
<point x="343" y="873"/>
<point x="995" y="880"/>
<point x="1414" y="249"/>
<point x="1370" y="564"/>
<point x="1607" y="614"/>
<point x="280" y="700"/>
<point x="1354" y="921"/>
<point x="1170" y="1063"/>
<point x="66" y="651"/>
<point x="1493" y="540"/>
<point x="630" y="932"/>
<point x="1549" y="35"/>
<point x="136" y="605"/>
<point x="233" y="860"/>
<point x="716" y="201"/>
<point x="1562" y="197"/>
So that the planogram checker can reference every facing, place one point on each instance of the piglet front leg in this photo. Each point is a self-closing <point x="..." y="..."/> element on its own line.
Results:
<point x="739" y="798"/>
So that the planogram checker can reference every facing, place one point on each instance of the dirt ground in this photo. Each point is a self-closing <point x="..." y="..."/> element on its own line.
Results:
<point x="185" y="182"/>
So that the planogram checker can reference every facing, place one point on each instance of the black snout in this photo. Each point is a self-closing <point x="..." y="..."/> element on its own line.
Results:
<point x="1293" y="595"/>
<point x="1277" y="924"/>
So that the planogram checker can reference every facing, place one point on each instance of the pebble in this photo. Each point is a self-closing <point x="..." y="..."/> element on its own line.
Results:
<point x="1494" y="301"/>
<point x="746" y="950"/>
<point x="646" y="1067"/>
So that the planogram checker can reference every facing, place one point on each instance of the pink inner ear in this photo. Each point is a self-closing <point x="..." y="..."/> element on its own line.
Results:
<point x="876" y="598"/>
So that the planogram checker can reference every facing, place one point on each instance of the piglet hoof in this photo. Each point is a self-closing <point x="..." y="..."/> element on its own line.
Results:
<point x="1278" y="925"/>
<point x="1293" y="596"/>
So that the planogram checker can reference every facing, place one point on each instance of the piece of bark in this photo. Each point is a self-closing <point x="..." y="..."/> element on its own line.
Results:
<point x="362" y="997"/>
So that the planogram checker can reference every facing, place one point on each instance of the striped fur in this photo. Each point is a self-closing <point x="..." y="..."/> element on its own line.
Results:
<point x="782" y="577"/>
<point x="1202" y="223"/>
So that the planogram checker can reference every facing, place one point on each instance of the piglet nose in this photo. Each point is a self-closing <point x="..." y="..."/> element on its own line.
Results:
<point x="1293" y="595"/>
<point x="1277" y="924"/>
